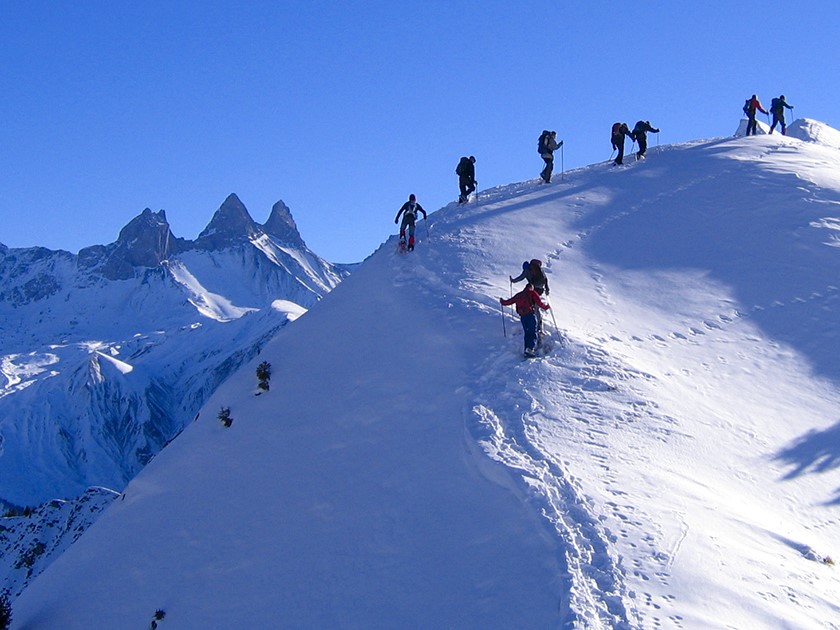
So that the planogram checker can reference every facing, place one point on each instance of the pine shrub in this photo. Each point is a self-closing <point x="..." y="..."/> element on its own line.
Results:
<point x="264" y="375"/>
<point x="5" y="611"/>
<point x="224" y="416"/>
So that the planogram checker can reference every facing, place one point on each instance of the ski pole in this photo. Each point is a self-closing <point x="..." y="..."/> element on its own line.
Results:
<point x="562" y="161"/>
<point x="428" y="238"/>
<point x="504" y="326"/>
<point x="554" y="319"/>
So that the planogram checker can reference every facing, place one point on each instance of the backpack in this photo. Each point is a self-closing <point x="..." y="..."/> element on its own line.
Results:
<point x="616" y="129"/>
<point x="775" y="105"/>
<point x="459" y="170"/>
<point x="541" y="142"/>
<point x="747" y="105"/>
<point x="536" y="275"/>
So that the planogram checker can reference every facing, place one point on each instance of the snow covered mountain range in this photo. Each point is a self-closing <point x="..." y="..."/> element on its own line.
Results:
<point x="673" y="461"/>
<point x="107" y="355"/>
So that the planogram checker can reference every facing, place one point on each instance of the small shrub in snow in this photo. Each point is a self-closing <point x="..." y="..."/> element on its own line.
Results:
<point x="5" y="611"/>
<point x="264" y="375"/>
<point x="158" y="616"/>
<point x="224" y="416"/>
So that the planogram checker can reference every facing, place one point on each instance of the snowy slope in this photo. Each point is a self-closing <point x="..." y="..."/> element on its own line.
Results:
<point x="673" y="464"/>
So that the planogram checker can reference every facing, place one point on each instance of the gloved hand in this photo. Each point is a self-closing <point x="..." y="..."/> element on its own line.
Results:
<point x="395" y="221"/>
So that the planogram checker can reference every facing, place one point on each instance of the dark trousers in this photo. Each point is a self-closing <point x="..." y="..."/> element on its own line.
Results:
<point x="641" y="138"/>
<point x="549" y="168"/>
<point x="466" y="184"/>
<point x="529" y="326"/>
<point x="778" y="119"/>
<point x="618" y="143"/>
<point x="751" y="124"/>
<point x="407" y="222"/>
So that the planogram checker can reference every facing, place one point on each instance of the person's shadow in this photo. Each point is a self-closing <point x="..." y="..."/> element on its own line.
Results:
<point x="812" y="453"/>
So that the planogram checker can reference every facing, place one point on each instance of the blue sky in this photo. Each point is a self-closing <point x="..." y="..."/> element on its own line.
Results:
<point x="341" y="109"/>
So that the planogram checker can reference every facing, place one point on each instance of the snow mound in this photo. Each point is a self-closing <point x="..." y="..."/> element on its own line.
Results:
<point x="814" y="131"/>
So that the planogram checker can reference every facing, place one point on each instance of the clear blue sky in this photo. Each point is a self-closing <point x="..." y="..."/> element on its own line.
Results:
<point x="341" y="109"/>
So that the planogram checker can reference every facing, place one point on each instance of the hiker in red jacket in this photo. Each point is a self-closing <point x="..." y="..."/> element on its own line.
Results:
<point x="525" y="301"/>
<point x="750" y="106"/>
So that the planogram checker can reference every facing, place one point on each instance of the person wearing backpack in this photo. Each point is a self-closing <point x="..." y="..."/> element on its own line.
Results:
<point x="619" y="132"/>
<point x="466" y="177"/>
<point x="640" y="131"/>
<point x="777" y="108"/>
<point x="409" y="212"/>
<point x="750" y="106"/>
<point x="532" y="272"/>
<point x="526" y="302"/>
<point x="546" y="146"/>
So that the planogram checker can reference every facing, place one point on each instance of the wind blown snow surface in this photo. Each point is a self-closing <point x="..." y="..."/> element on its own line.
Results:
<point x="671" y="462"/>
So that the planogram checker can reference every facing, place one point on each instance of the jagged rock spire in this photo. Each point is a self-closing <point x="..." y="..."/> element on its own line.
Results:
<point x="145" y="241"/>
<point x="230" y="225"/>
<point x="282" y="226"/>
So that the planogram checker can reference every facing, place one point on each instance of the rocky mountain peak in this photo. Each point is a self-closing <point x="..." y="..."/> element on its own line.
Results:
<point x="282" y="226"/>
<point x="145" y="241"/>
<point x="230" y="224"/>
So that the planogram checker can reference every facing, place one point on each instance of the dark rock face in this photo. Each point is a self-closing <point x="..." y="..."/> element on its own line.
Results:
<point x="282" y="226"/>
<point x="230" y="225"/>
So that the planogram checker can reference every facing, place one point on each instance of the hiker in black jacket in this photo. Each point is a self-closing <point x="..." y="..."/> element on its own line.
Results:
<point x="640" y="131"/>
<point x="409" y="211"/>
<point x="546" y="146"/>
<point x="619" y="131"/>
<point x="466" y="177"/>
<point x="777" y="108"/>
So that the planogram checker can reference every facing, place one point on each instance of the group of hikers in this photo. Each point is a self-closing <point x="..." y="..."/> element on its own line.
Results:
<point x="529" y="302"/>
<point x="777" y="109"/>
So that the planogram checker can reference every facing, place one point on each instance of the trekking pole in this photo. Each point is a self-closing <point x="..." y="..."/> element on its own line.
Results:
<point x="554" y="319"/>
<point x="504" y="326"/>
<point x="562" y="161"/>
<point x="428" y="238"/>
<point x="611" y="155"/>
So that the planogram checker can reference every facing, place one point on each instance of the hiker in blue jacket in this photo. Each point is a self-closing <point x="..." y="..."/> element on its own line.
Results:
<point x="640" y="131"/>
<point x="777" y="108"/>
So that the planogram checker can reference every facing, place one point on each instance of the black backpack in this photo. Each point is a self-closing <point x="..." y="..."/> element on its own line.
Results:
<point x="541" y="142"/>
<point x="747" y="105"/>
<point x="462" y="165"/>
<point x="536" y="275"/>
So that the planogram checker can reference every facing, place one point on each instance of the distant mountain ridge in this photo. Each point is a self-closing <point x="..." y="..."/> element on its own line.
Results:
<point x="107" y="355"/>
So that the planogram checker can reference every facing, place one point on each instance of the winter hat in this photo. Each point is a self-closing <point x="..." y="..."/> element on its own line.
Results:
<point x="411" y="197"/>
<point x="472" y="159"/>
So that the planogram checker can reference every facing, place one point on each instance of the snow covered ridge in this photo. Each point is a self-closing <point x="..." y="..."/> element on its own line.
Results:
<point x="673" y="462"/>
<point x="106" y="356"/>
